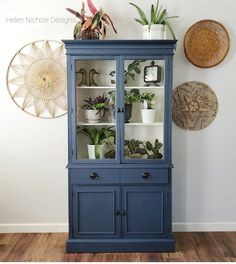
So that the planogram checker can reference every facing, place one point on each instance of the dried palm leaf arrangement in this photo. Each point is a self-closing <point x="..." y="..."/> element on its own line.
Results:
<point x="194" y="105"/>
<point x="36" y="79"/>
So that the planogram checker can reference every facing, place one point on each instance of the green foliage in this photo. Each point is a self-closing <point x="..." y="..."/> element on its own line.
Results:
<point x="148" y="99"/>
<point x="100" y="103"/>
<point x="97" y="137"/>
<point x="158" y="16"/>
<point x="136" y="149"/>
<point x="132" y="96"/>
<point x="132" y="69"/>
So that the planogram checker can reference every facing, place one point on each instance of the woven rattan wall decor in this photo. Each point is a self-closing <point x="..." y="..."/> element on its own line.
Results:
<point x="206" y="43"/>
<point x="194" y="105"/>
<point x="36" y="79"/>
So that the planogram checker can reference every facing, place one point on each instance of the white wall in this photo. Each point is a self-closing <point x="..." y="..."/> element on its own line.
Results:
<point x="33" y="151"/>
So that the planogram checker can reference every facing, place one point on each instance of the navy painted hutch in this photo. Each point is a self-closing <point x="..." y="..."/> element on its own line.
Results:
<point x="119" y="160"/>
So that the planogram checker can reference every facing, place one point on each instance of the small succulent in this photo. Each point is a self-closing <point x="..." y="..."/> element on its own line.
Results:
<point x="100" y="103"/>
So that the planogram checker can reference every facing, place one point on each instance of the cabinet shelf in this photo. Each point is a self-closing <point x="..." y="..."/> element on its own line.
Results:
<point x="126" y="124"/>
<point x="97" y="124"/>
<point x="114" y="87"/>
<point x="144" y="124"/>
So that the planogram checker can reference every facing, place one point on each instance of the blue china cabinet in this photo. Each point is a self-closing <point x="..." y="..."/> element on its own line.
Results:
<point x="119" y="160"/>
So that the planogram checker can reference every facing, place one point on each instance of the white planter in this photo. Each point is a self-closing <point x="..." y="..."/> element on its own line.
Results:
<point x="157" y="31"/>
<point x="148" y="115"/>
<point x="92" y="116"/>
<point x="91" y="151"/>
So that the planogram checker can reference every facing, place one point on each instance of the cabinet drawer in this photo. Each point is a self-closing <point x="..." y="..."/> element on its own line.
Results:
<point x="144" y="175"/>
<point x="94" y="176"/>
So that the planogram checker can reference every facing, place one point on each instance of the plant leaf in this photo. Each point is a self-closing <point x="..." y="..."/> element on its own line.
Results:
<point x="91" y="6"/>
<point x="108" y="17"/>
<point x="152" y="14"/>
<point x="170" y="29"/>
<point x="141" y="14"/>
<point x="97" y="151"/>
<point x="139" y="21"/>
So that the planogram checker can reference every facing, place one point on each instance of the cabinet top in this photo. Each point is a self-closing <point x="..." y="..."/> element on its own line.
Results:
<point x="119" y="46"/>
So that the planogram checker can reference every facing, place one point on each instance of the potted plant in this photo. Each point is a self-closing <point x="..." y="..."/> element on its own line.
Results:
<point x="98" y="139"/>
<point x="137" y="149"/>
<point x="130" y="97"/>
<point x="112" y="103"/>
<point x="148" y="113"/>
<point x="95" y="109"/>
<point x="90" y="27"/>
<point x="155" y="28"/>
<point x="132" y="69"/>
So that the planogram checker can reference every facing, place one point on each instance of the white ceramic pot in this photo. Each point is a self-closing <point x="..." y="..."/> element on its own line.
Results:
<point x="91" y="151"/>
<point x="92" y="116"/>
<point x="157" y="31"/>
<point x="148" y="115"/>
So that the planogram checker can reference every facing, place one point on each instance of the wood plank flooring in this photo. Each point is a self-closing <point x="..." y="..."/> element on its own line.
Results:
<point x="213" y="246"/>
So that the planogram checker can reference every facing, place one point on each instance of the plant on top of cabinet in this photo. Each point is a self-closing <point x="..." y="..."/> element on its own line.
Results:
<point x="95" y="109"/>
<point x="90" y="27"/>
<point x="100" y="140"/>
<point x="139" y="149"/>
<point x="148" y="113"/>
<point x="132" y="69"/>
<point x="155" y="28"/>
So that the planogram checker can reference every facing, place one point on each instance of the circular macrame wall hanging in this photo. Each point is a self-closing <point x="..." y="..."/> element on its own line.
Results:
<point x="36" y="79"/>
<point x="194" y="105"/>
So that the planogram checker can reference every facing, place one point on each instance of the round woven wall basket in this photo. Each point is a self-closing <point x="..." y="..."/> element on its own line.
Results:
<point x="206" y="43"/>
<point x="194" y="105"/>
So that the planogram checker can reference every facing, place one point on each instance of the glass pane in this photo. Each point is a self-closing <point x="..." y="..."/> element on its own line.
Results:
<point x="144" y="109"/>
<point x="95" y="102"/>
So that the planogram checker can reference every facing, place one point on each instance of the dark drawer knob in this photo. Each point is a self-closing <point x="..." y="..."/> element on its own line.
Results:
<point x="123" y="212"/>
<point x="146" y="175"/>
<point x="117" y="212"/>
<point x="94" y="176"/>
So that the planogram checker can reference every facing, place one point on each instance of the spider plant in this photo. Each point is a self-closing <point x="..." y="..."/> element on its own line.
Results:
<point x="98" y="21"/>
<point x="158" y="16"/>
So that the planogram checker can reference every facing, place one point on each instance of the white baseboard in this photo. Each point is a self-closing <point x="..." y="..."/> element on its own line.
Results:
<point x="204" y="227"/>
<point x="34" y="228"/>
<point x="63" y="227"/>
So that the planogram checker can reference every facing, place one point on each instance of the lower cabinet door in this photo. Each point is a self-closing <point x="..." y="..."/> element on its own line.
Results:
<point x="144" y="211"/>
<point x="96" y="211"/>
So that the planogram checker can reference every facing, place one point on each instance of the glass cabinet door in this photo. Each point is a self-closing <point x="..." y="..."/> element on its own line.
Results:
<point x="95" y="82"/>
<point x="144" y="82"/>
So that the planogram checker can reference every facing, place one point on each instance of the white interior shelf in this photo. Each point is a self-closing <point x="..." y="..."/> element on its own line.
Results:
<point x="97" y="124"/>
<point x="114" y="87"/>
<point x="126" y="124"/>
<point x="144" y="124"/>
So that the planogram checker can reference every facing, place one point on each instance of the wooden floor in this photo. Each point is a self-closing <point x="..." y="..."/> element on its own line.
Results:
<point x="220" y="246"/>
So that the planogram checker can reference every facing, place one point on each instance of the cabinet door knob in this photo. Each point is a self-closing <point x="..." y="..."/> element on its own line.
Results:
<point x="94" y="176"/>
<point x="117" y="212"/>
<point x="146" y="175"/>
<point x="120" y="110"/>
<point x="123" y="212"/>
